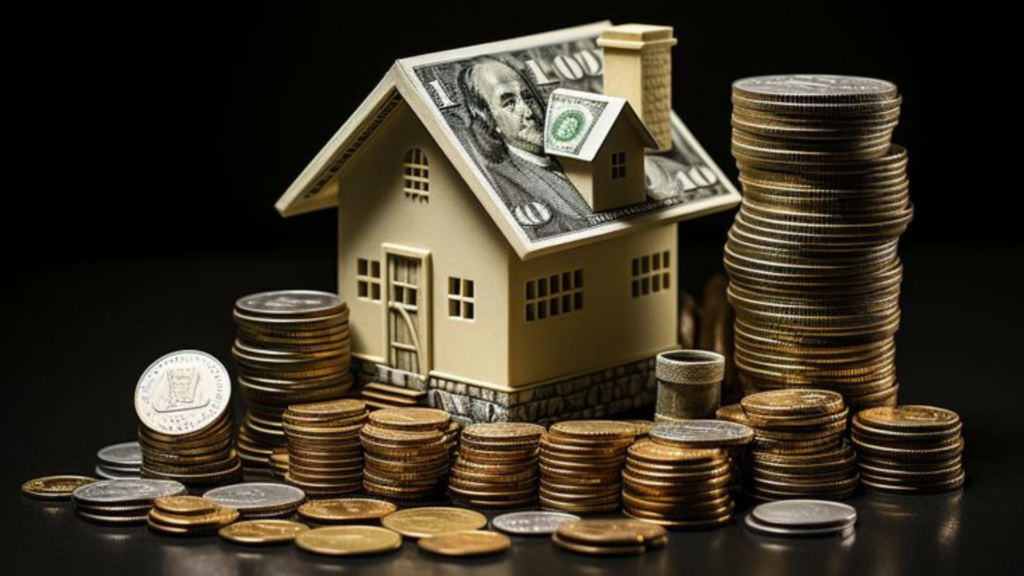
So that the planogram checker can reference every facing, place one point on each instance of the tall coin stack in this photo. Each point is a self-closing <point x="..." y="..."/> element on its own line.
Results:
<point x="581" y="465"/>
<point x="909" y="449"/>
<point x="497" y="465"/>
<point x="325" y="457"/>
<point x="799" y="450"/>
<point x="408" y="452"/>
<point x="183" y="401"/>
<point x="812" y="254"/>
<point x="292" y="348"/>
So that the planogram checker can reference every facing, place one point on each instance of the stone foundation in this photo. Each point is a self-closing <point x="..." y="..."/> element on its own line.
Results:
<point x="593" y="395"/>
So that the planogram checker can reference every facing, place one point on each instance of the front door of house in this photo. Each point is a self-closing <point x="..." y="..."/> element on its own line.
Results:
<point x="407" y="314"/>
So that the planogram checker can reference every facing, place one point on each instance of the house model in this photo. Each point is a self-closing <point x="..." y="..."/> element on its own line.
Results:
<point x="508" y="218"/>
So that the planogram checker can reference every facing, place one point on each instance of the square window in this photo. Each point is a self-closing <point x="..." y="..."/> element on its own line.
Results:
<point x="375" y="269"/>
<point x="468" y="292"/>
<point x="375" y="292"/>
<point x="468" y="310"/>
<point x="399" y="294"/>
<point x="454" y="286"/>
<point x="364" y="289"/>
<point x="362" y="266"/>
<point x="454" y="308"/>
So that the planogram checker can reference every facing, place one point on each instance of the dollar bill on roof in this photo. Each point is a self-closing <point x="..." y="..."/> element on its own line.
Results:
<point x="461" y="97"/>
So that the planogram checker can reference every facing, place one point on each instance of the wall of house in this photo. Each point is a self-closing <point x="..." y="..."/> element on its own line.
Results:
<point x="612" y="328"/>
<point x="461" y="238"/>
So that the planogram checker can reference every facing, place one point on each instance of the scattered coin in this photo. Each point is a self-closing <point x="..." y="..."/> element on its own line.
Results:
<point x="531" y="523"/>
<point x="54" y="487"/>
<point x="466" y="543"/>
<point x="805" y="514"/>
<point x="349" y="540"/>
<point x="345" y="510"/>
<point x="609" y="537"/>
<point x="122" y="501"/>
<point x="423" y="522"/>
<point x="255" y="500"/>
<point x="262" y="532"/>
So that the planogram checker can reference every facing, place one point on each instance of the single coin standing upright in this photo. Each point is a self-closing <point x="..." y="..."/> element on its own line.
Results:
<point x="408" y="453"/>
<point x="293" y="347"/>
<point x="581" y="465"/>
<point x="183" y="401"/>
<point x="689" y="384"/>
<point x="498" y="465"/>
<point x="325" y="457"/>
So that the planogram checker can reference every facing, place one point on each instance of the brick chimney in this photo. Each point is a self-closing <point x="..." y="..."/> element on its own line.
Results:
<point x="638" y="67"/>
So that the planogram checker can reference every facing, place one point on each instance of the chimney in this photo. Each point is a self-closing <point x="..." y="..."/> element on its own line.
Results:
<point x="638" y="67"/>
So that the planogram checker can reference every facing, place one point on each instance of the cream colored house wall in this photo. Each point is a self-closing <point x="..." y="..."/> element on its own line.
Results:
<point x="613" y="327"/>
<point x="594" y="179"/>
<point x="462" y="240"/>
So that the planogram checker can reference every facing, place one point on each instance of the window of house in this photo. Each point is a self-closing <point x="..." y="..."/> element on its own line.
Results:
<point x="554" y="295"/>
<point x="461" y="298"/>
<point x="416" y="182"/>
<point x="368" y="279"/>
<point x="651" y="273"/>
<point x="618" y="165"/>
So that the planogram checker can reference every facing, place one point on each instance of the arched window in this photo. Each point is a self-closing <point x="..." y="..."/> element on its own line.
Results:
<point x="416" y="183"/>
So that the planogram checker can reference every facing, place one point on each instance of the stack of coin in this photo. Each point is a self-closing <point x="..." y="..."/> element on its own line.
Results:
<point x="803" y="518"/>
<point x="408" y="452"/>
<point x="737" y="455"/>
<point x="186" y="433"/>
<point x="581" y="465"/>
<point x="325" y="457"/>
<point x="799" y="450"/>
<point x="680" y="478"/>
<point x="258" y="500"/>
<point x="278" y="463"/>
<point x="189" y="516"/>
<point x="609" y="537"/>
<point x="909" y="449"/>
<point x="497" y="465"/>
<point x="292" y="347"/>
<point x="122" y="460"/>
<point x="812" y="254"/>
<point x="122" y="502"/>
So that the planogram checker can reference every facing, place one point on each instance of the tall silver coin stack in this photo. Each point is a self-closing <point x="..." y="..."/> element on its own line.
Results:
<point x="292" y="348"/>
<point x="812" y="254"/>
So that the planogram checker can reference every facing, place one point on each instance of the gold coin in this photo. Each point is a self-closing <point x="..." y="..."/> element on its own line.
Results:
<point x="503" y="431"/>
<point x="610" y="532"/>
<point x="262" y="532"/>
<point x="806" y="402"/>
<point x="910" y="418"/>
<point x="411" y="419"/>
<point x="346" y="510"/>
<point x="54" y="487"/>
<point x="185" y="505"/>
<point x="466" y="543"/>
<point x="606" y="550"/>
<point x="422" y="522"/>
<point x="593" y="429"/>
<point x="221" y="516"/>
<point x="349" y="540"/>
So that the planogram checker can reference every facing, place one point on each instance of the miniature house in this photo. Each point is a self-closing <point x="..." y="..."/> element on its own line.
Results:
<point x="503" y="283"/>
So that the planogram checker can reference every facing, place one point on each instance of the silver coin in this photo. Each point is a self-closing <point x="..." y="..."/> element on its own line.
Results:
<point x="805" y="514"/>
<point x="289" y="302"/>
<point x="840" y="531"/>
<point x="531" y="523"/>
<point x="126" y="491"/>
<point x="815" y="84"/>
<point x="109" y="474"/>
<point x="255" y="497"/>
<point x="702" y="433"/>
<point x="123" y="454"/>
<point x="182" y="393"/>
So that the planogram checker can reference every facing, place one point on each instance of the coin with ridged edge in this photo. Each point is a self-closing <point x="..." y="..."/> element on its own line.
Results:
<point x="349" y="540"/>
<point x="423" y="522"/>
<point x="262" y="532"/>
<point x="346" y="510"/>
<point x="531" y="523"/>
<point x="702" y="433"/>
<point x="466" y="543"/>
<point x="55" y="487"/>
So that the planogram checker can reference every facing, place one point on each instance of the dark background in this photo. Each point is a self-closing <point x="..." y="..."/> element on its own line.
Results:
<point x="148" y="144"/>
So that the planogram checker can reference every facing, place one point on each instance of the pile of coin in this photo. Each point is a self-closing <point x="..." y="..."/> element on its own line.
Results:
<point x="325" y="457"/>
<point x="680" y="477"/>
<point x="812" y="254"/>
<point x="183" y="401"/>
<point x="258" y="500"/>
<point x="122" y="460"/>
<point x="581" y="465"/>
<point x="497" y="466"/>
<point x="800" y="450"/>
<point x="609" y="537"/>
<point x="909" y="449"/>
<point x="122" y="502"/>
<point x="188" y="516"/>
<point x="803" y="518"/>
<point x="408" y="452"/>
<point x="293" y="347"/>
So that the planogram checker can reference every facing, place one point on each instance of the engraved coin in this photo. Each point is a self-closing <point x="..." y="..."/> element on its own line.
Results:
<point x="802" y="401"/>
<point x="257" y="497"/>
<point x="289" y="303"/>
<point x="262" y="532"/>
<point x="423" y="522"/>
<point x="610" y="532"/>
<point x="909" y="418"/>
<point x="466" y="543"/>
<point x="185" y="505"/>
<point x="182" y="392"/>
<point x="805" y="514"/>
<point x="531" y="523"/>
<point x="346" y="510"/>
<point x="702" y="433"/>
<point x="111" y="492"/>
<point x="125" y="454"/>
<point x="410" y="418"/>
<point x="349" y="540"/>
<point x="594" y="429"/>
<point x="814" y="88"/>
<point x="54" y="487"/>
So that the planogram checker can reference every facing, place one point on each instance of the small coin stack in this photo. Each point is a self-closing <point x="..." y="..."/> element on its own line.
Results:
<point x="292" y="348"/>
<point x="909" y="449"/>
<point x="581" y="465"/>
<point x="122" y="502"/>
<point x="609" y="537"/>
<point x="680" y="477"/>
<point x="497" y="466"/>
<point x="188" y="516"/>
<point x="258" y="500"/>
<point x="799" y="450"/>
<point x="185" y="431"/>
<point x="408" y="452"/>
<point x="122" y="460"/>
<point x="325" y="457"/>
<point x="812" y="254"/>
<point x="803" y="518"/>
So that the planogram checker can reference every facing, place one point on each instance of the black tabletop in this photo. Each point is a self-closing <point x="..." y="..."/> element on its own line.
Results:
<point x="77" y="335"/>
